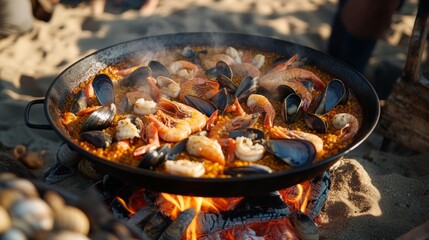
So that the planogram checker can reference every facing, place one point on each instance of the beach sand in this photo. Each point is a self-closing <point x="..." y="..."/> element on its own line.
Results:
<point x="374" y="195"/>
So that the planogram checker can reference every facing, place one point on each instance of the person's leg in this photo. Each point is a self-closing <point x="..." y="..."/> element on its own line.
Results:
<point x="356" y="28"/>
<point x="16" y="17"/>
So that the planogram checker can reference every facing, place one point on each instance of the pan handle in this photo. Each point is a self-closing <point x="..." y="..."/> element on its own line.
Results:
<point x="27" y="116"/>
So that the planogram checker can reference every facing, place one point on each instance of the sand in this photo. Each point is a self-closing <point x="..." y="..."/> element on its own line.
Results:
<point x="375" y="195"/>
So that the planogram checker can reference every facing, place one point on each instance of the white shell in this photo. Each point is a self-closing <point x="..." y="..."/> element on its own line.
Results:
<point x="23" y="185"/>
<point x="72" y="219"/>
<point x="31" y="214"/>
<point x="13" y="234"/>
<point x="54" y="200"/>
<point x="9" y="196"/>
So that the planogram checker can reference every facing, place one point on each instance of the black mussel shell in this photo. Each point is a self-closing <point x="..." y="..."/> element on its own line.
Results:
<point x="330" y="97"/>
<point x="282" y="92"/>
<point x="158" y="69"/>
<point x="315" y="122"/>
<point x="97" y="138"/>
<point x="225" y="82"/>
<point x="247" y="170"/>
<point x="201" y="104"/>
<point x="179" y="147"/>
<point x="295" y="152"/>
<point x="100" y="119"/>
<point x="252" y="133"/>
<point x="192" y="55"/>
<point x="222" y="100"/>
<point x="125" y="106"/>
<point x="291" y="108"/>
<point x="103" y="89"/>
<point x="137" y="78"/>
<point x="346" y="96"/>
<point x="224" y="69"/>
<point x="155" y="157"/>
<point x="79" y="102"/>
<point x="247" y="86"/>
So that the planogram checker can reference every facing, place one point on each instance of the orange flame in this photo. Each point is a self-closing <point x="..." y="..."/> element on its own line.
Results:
<point x="300" y="200"/>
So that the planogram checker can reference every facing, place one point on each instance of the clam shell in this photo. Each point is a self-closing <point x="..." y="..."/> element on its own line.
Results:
<point x="54" y="200"/>
<point x="31" y="215"/>
<point x="9" y="196"/>
<point x="72" y="219"/>
<point x="13" y="234"/>
<point x="22" y="185"/>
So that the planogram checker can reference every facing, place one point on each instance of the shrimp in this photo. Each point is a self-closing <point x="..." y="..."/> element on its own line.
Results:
<point x="168" y="87"/>
<point x="183" y="69"/>
<point x="222" y="128"/>
<point x="170" y="129"/>
<point x="185" y="168"/>
<point x="205" y="147"/>
<point x="192" y="116"/>
<point x="259" y="104"/>
<point x="126" y="130"/>
<point x="247" y="151"/>
<point x="201" y="87"/>
<point x="152" y="137"/>
<point x="348" y="124"/>
<point x="144" y="107"/>
<point x="297" y="74"/>
<point x="280" y="132"/>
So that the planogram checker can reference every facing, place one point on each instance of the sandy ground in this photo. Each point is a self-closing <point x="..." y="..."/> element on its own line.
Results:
<point x="375" y="195"/>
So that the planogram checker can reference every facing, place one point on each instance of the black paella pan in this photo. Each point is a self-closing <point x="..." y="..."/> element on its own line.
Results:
<point x="80" y="71"/>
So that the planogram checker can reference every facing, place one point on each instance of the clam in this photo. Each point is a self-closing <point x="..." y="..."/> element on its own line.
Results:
<point x="295" y="152"/>
<point x="203" y="105"/>
<point x="304" y="226"/>
<point x="100" y="119"/>
<point x="138" y="77"/>
<point x="333" y="94"/>
<point x="247" y="170"/>
<point x="291" y="108"/>
<point x="9" y="196"/>
<point x="103" y="89"/>
<point x="31" y="215"/>
<point x="158" y="69"/>
<point x="79" y="102"/>
<point x="155" y="157"/>
<point x="247" y="86"/>
<point x="70" y="218"/>
<point x="23" y="186"/>
<point x="97" y="138"/>
<point x="315" y="122"/>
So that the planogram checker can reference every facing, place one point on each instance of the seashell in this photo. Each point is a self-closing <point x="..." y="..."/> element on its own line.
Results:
<point x="30" y="159"/>
<point x="155" y="157"/>
<point x="71" y="219"/>
<point x="86" y="168"/>
<point x="158" y="69"/>
<point x="203" y="105"/>
<point x="103" y="89"/>
<point x="13" y="234"/>
<point x="9" y="196"/>
<point x="31" y="215"/>
<point x="22" y="185"/>
<point x="67" y="235"/>
<point x="54" y="200"/>
<point x="5" y="222"/>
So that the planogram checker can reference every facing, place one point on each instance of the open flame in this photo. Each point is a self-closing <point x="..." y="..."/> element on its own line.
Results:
<point x="295" y="197"/>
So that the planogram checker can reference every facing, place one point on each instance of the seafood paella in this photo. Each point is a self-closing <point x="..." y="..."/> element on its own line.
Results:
<point x="213" y="112"/>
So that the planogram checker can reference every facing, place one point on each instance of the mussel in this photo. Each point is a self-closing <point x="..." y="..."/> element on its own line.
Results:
<point x="192" y="55"/>
<point x="282" y="91"/>
<point x="100" y="119"/>
<point x="203" y="105"/>
<point x="247" y="86"/>
<point x="222" y="100"/>
<point x="315" y="122"/>
<point x="295" y="152"/>
<point x="103" y="89"/>
<point x="226" y="82"/>
<point x="155" y="157"/>
<point x="179" y="147"/>
<point x="79" y="102"/>
<point x="291" y="108"/>
<point x="97" y="138"/>
<point x="333" y="94"/>
<point x="158" y="69"/>
<point x="138" y="77"/>
<point x="252" y="133"/>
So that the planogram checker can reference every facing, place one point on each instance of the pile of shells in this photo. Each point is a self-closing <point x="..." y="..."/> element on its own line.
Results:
<point x="27" y="214"/>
